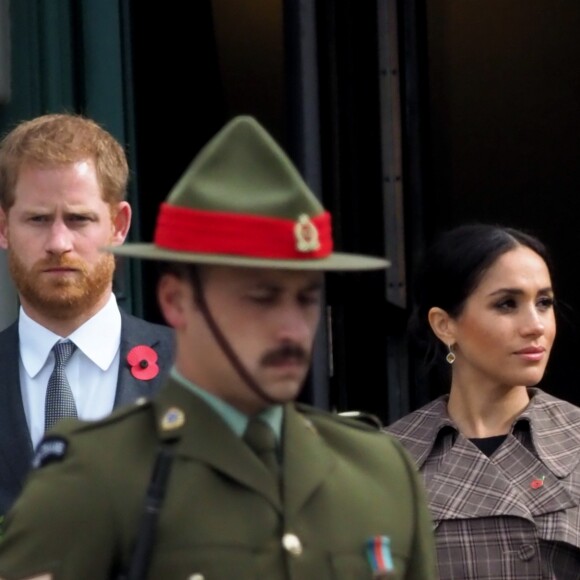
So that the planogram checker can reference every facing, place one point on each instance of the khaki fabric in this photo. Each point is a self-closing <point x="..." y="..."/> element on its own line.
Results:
<point x="343" y="484"/>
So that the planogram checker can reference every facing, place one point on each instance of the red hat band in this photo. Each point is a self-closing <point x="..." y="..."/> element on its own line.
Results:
<point x="212" y="232"/>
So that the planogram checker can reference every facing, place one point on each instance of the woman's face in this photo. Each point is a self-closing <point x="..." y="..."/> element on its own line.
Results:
<point x="504" y="335"/>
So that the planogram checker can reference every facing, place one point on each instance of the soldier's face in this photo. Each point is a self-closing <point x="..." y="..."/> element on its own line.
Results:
<point x="53" y="234"/>
<point x="269" y="317"/>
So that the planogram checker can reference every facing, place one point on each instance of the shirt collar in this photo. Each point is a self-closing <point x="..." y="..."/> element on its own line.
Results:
<point x="420" y="429"/>
<point x="237" y="420"/>
<point x="36" y="341"/>
<point x="555" y="430"/>
<point x="554" y="426"/>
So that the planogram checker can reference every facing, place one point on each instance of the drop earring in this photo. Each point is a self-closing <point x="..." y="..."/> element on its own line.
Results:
<point x="450" y="358"/>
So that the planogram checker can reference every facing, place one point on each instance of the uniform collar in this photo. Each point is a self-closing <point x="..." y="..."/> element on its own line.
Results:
<point x="237" y="420"/>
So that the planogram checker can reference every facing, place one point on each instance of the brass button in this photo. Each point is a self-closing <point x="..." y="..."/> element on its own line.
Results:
<point x="292" y="544"/>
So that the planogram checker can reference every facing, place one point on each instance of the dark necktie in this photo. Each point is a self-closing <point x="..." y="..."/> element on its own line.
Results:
<point x="261" y="439"/>
<point x="59" y="398"/>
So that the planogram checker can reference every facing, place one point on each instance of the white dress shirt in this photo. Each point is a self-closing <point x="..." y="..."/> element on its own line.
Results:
<point x="92" y="371"/>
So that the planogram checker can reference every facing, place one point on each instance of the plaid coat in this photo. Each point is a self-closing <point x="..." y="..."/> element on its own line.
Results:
<point x="514" y="515"/>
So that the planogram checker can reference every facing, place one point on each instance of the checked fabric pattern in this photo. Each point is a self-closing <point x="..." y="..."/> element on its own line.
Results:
<point x="59" y="401"/>
<point x="491" y="517"/>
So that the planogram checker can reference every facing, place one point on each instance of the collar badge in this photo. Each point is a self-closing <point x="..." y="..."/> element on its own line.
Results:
<point x="173" y="419"/>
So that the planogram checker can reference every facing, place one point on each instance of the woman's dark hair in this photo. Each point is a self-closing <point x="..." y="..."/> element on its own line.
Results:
<point x="450" y="271"/>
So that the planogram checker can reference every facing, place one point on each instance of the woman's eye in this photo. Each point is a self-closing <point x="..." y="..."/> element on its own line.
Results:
<point x="506" y="304"/>
<point x="546" y="303"/>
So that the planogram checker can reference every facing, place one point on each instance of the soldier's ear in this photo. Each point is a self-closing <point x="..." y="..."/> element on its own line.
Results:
<point x="442" y="325"/>
<point x="171" y="295"/>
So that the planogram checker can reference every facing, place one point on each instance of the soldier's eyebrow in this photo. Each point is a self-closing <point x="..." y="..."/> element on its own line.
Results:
<point x="314" y="286"/>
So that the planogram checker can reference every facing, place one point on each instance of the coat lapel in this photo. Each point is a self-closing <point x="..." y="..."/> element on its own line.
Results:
<point x="466" y="484"/>
<point x="462" y="483"/>
<point x="539" y="489"/>
<point x="307" y="460"/>
<point x="206" y="438"/>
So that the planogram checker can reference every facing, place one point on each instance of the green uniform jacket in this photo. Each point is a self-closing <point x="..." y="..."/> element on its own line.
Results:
<point x="343" y="485"/>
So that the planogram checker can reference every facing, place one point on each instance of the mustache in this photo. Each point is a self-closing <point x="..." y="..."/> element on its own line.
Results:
<point x="285" y="352"/>
<point x="60" y="262"/>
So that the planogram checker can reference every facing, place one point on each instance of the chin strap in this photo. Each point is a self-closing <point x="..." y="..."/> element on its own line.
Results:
<point x="223" y="342"/>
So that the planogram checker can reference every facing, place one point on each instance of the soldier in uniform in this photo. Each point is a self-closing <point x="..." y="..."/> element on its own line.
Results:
<point x="222" y="474"/>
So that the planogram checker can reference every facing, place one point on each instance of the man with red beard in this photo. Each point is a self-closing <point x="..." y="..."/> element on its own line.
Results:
<point x="63" y="182"/>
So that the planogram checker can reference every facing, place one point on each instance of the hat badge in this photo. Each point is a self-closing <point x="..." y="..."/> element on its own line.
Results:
<point x="306" y="234"/>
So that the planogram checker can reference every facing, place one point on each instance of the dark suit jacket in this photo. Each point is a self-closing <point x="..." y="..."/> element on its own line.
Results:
<point x="15" y="443"/>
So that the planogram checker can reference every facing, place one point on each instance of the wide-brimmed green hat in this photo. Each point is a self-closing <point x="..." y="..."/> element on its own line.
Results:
<point x="241" y="202"/>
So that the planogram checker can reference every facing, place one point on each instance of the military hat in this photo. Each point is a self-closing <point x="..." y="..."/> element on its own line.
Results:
<point x="241" y="202"/>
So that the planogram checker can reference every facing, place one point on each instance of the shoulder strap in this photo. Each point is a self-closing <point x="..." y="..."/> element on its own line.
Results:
<point x="143" y="548"/>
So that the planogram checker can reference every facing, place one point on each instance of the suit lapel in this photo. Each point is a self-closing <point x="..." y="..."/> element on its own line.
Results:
<point x="16" y="447"/>
<point x="135" y="331"/>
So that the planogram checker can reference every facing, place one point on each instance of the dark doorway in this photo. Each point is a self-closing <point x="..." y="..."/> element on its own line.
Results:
<point x="503" y="87"/>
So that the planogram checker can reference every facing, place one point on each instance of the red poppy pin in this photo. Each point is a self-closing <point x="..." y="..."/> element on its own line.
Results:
<point x="143" y="362"/>
<point x="537" y="483"/>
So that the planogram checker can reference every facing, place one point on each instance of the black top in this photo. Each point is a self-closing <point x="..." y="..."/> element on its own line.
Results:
<point x="489" y="445"/>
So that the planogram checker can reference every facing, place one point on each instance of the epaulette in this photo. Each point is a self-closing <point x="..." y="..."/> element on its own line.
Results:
<point x="356" y="419"/>
<point x="53" y="446"/>
<point x="50" y="450"/>
<point x="67" y="426"/>
<point x="366" y="418"/>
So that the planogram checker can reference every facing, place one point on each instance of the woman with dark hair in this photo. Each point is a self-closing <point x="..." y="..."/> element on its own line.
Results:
<point x="500" y="458"/>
